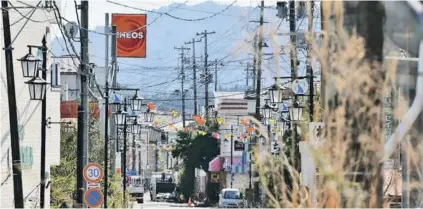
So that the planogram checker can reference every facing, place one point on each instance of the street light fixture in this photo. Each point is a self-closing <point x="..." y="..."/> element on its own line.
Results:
<point x="29" y="64"/>
<point x="282" y="125"/>
<point x="136" y="127"/>
<point x="148" y="116"/>
<point x="296" y="111"/>
<point x="276" y="93"/>
<point x="137" y="102"/>
<point x="37" y="88"/>
<point x="120" y="117"/>
<point x="267" y="111"/>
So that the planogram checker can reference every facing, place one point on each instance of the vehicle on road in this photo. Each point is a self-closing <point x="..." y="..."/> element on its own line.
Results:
<point x="136" y="188"/>
<point x="231" y="198"/>
<point x="162" y="186"/>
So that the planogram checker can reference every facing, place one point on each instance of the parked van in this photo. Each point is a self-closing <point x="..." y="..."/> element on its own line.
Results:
<point x="231" y="198"/>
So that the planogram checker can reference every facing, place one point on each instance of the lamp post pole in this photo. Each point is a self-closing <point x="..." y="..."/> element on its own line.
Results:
<point x="43" y="126"/>
<point x="124" y="154"/>
<point x="106" y="145"/>
<point x="232" y="153"/>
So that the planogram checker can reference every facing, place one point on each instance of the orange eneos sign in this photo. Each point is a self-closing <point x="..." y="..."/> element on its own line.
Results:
<point x="131" y="35"/>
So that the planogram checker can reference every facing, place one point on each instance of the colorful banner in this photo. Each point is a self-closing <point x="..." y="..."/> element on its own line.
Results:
<point x="131" y="35"/>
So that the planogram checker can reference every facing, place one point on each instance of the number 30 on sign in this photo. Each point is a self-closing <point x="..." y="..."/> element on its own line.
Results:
<point x="93" y="173"/>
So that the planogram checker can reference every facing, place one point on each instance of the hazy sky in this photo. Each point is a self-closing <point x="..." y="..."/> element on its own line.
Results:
<point x="99" y="7"/>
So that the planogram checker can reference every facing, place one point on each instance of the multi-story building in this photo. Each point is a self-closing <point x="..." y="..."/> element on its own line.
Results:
<point x="29" y="112"/>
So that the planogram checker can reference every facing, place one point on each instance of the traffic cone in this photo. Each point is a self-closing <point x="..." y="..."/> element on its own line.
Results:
<point x="189" y="202"/>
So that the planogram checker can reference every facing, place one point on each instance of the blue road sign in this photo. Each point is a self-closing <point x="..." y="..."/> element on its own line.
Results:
<point x="133" y="173"/>
<point x="93" y="198"/>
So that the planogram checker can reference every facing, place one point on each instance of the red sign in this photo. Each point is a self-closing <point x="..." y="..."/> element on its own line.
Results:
<point x="131" y="35"/>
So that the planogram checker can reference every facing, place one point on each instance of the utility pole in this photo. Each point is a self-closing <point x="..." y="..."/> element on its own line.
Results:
<point x="309" y="67"/>
<point x="293" y="56"/>
<point x="255" y="64"/>
<point x="106" y="110"/>
<point x="247" y="75"/>
<point x="259" y="61"/>
<point x="194" y="73"/>
<point x="206" y="72"/>
<point x="113" y="128"/>
<point x="13" y="116"/>
<point x="83" y="125"/>
<point x="182" y="48"/>
<point x="215" y="75"/>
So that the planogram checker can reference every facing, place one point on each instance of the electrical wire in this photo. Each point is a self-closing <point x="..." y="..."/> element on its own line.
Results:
<point x="193" y="10"/>
<point x="25" y="16"/>
<point x="110" y="34"/>
<point x="175" y="17"/>
<point x="26" y="22"/>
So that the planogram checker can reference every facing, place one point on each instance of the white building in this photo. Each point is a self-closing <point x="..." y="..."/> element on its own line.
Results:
<point x="28" y="112"/>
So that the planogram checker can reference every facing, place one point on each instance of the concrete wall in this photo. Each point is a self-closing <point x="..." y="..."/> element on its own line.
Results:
<point x="29" y="112"/>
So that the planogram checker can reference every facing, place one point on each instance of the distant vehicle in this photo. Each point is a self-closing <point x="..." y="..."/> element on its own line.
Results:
<point x="231" y="198"/>
<point x="136" y="188"/>
<point x="162" y="186"/>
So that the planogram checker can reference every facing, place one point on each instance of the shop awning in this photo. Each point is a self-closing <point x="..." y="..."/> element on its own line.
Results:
<point x="214" y="165"/>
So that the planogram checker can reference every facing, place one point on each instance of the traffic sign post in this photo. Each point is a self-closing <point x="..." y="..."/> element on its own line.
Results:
<point x="93" y="173"/>
<point x="300" y="86"/>
<point x="93" y="198"/>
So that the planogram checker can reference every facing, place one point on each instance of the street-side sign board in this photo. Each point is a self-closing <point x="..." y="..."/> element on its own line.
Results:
<point x="93" y="185"/>
<point x="93" y="198"/>
<point x="93" y="173"/>
<point x="300" y="86"/>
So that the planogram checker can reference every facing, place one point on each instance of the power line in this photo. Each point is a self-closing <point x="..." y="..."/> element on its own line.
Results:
<point x="136" y="29"/>
<point x="175" y="17"/>
<point x="26" y="22"/>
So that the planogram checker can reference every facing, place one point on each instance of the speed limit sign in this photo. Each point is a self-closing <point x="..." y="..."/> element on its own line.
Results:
<point x="93" y="173"/>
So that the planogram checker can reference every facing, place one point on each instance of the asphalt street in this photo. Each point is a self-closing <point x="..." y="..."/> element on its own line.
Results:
<point x="150" y="204"/>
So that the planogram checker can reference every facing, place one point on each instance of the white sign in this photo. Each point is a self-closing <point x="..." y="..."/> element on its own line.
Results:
<point x="93" y="185"/>
<point x="275" y="149"/>
<point x="316" y="132"/>
<point x="300" y="86"/>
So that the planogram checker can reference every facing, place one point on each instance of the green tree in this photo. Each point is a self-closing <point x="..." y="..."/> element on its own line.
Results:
<point x="63" y="176"/>
<point x="196" y="151"/>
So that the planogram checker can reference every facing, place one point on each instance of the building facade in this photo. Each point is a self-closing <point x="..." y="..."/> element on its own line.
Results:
<point x="28" y="112"/>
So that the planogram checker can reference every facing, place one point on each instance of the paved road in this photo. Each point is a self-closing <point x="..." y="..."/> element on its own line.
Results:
<point x="150" y="204"/>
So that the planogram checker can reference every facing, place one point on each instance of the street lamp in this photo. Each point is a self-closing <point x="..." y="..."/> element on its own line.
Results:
<point x="296" y="111"/>
<point x="282" y="125"/>
<point x="37" y="88"/>
<point x="148" y="116"/>
<point x="276" y="94"/>
<point x="120" y="117"/>
<point x="137" y="102"/>
<point x="267" y="111"/>
<point x="29" y="64"/>
<point x="136" y="127"/>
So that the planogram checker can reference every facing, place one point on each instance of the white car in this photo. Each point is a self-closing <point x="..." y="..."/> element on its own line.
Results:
<point x="231" y="198"/>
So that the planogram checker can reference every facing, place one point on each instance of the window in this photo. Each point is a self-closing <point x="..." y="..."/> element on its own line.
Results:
<point x="26" y="156"/>
<point x="232" y="195"/>
<point x="55" y="75"/>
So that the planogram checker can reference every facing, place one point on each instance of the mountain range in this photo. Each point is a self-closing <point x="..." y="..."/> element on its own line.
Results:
<point x="158" y="75"/>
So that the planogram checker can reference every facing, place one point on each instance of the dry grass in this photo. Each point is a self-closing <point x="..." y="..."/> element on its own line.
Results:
<point x="354" y="130"/>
